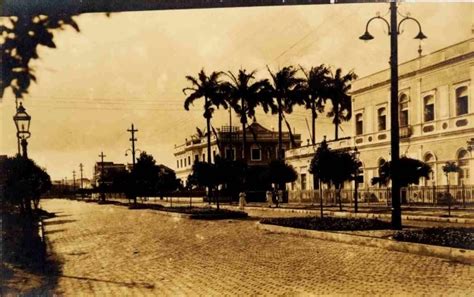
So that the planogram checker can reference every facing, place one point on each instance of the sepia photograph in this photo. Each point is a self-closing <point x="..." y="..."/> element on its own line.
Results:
<point x="236" y="148"/>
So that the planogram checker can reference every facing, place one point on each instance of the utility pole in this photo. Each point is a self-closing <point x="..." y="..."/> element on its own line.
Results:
<point x="102" y="194"/>
<point x="82" y="185"/>
<point x="133" y="139"/>
<point x="74" y="181"/>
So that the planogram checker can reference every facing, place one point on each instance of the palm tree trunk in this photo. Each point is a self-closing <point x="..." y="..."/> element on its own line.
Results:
<point x="244" y="133"/>
<point x="208" y="122"/>
<point x="336" y="122"/>
<point x="313" y="123"/>
<point x="280" y="135"/>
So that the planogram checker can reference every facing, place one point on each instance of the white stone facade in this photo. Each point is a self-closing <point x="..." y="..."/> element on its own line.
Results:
<point x="436" y="95"/>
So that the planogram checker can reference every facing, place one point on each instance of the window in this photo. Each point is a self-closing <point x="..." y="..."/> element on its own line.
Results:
<point x="214" y="156"/>
<point x="256" y="154"/>
<point x="181" y="163"/>
<point x="461" y="101"/>
<point x="204" y="157"/>
<point x="196" y="158"/>
<point x="463" y="163"/>
<point x="403" y="110"/>
<point x="177" y="163"/>
<point x="189" y="160"/>
<point x="382" y="119"/>
<point x="230" y="153"/>
<point x="303" y="181"/>
<point x="430" y="160"/>
<point x="359" y="124"/>
<point x="429" y="110"/>
<point x="185" y="162"/>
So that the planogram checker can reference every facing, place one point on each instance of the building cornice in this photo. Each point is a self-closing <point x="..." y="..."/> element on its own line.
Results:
<point x="415" y="72"/>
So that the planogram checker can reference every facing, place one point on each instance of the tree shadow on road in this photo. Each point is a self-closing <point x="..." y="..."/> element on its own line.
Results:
<point x="131" y="284"/>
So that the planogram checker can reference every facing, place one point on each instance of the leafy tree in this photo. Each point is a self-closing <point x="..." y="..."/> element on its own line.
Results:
<point x="339" y="86"/>
<point x="409" y="172"/>
<point x="280" y="173"/>
<point x="209" y="88"/>
<point x="228" y="173"/>
<point x="243" y="87"/>
<point x="315" y="92"/>
<point x="24" y="183"/>
<point x="205" y="174"/>
<point x="144" y="176"/>
<point x="334" y="167"/>
<point x="21" y="37"/>
<point x="167" y="180"/>
<point x="285" y="90"/>
<point x="448" y="168"/>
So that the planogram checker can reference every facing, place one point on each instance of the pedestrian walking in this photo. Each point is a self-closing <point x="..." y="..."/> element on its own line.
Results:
<point x="242" y="200"/>
<point x="280" y="196"/>
<point x="269" y="196"/>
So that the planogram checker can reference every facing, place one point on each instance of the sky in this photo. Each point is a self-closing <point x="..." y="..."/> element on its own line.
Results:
<point x="131" y="67"/>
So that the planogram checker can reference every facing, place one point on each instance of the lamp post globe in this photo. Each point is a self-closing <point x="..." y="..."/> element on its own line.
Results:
<point x="22" y="122"/>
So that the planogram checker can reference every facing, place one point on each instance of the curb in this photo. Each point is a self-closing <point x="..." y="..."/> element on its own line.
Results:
<point x="453" y="254"/>
<point x="368" y="215"/>
<point x="172" y="214"/>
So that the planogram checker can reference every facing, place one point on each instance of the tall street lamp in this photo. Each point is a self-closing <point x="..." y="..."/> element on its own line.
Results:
<point x="357" y="178"/>
<point x="22" y="123"/>
<point x="394" y="30"/>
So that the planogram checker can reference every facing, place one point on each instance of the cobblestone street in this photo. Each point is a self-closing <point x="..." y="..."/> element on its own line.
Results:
<point x="111" y="250"/>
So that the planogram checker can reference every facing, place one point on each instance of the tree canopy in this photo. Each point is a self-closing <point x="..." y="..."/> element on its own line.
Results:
<point x="23" y="182"/>
<point x="21" y="37"/>
<point x="409" y="172"/>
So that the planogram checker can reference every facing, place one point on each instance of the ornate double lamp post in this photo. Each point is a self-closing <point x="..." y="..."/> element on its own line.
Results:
<point x="394" y="30"/>
<point x="22" y="123"/>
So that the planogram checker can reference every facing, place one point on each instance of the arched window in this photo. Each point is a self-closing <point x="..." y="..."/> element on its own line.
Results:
<point x="429" y="108"/>
<point x="403" y="102"/>
<point x="430" y="160"/>
<point x="463" y="162"/>
<point x="462" y="106"/>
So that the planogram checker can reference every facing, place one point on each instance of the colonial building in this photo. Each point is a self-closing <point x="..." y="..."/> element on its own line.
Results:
<point x="261" y="147"/>
<point x="436" y="116"/>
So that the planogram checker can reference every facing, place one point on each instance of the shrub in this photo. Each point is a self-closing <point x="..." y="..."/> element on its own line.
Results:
<point x="452" y="237"/>
<point x="328" y="223"/>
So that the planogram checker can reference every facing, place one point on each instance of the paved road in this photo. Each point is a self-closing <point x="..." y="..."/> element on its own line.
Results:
<point x="110" y="250"/>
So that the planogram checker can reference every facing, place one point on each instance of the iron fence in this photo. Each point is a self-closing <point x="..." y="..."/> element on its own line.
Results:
<point x="434" y="195"/>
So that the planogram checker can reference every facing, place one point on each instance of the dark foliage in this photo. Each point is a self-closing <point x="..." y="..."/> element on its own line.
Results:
<point x="207" y="213"/>
<point x="410" y="171"/>
<point x="21" y="37"/>
<point x="24" y="182"/>
<point x="328" y="223"/>
<point x="278" y="172"/>
<point x="452" y="237"/>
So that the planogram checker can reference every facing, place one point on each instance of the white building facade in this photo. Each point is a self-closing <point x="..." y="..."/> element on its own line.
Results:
<point x="436" y="117"/>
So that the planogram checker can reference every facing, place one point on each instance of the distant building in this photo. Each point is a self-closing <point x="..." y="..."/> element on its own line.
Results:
<point x="110" y="170"/>
<point x="436" y="117"/>
<point x="261" y="147"/>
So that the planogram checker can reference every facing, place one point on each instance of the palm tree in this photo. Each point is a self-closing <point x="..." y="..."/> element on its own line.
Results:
<point x="284" y="89"/>
<point x="209" y="88"/>
<point x="315" y="90"/>
<point x="341" y="109"/>
<point x="251" y="94"/>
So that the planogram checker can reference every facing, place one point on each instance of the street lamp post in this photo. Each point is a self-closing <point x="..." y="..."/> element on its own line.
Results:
<point x="394" y="30"/>
<point x="22" y="122"/>
<point x="356" y="180"/>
